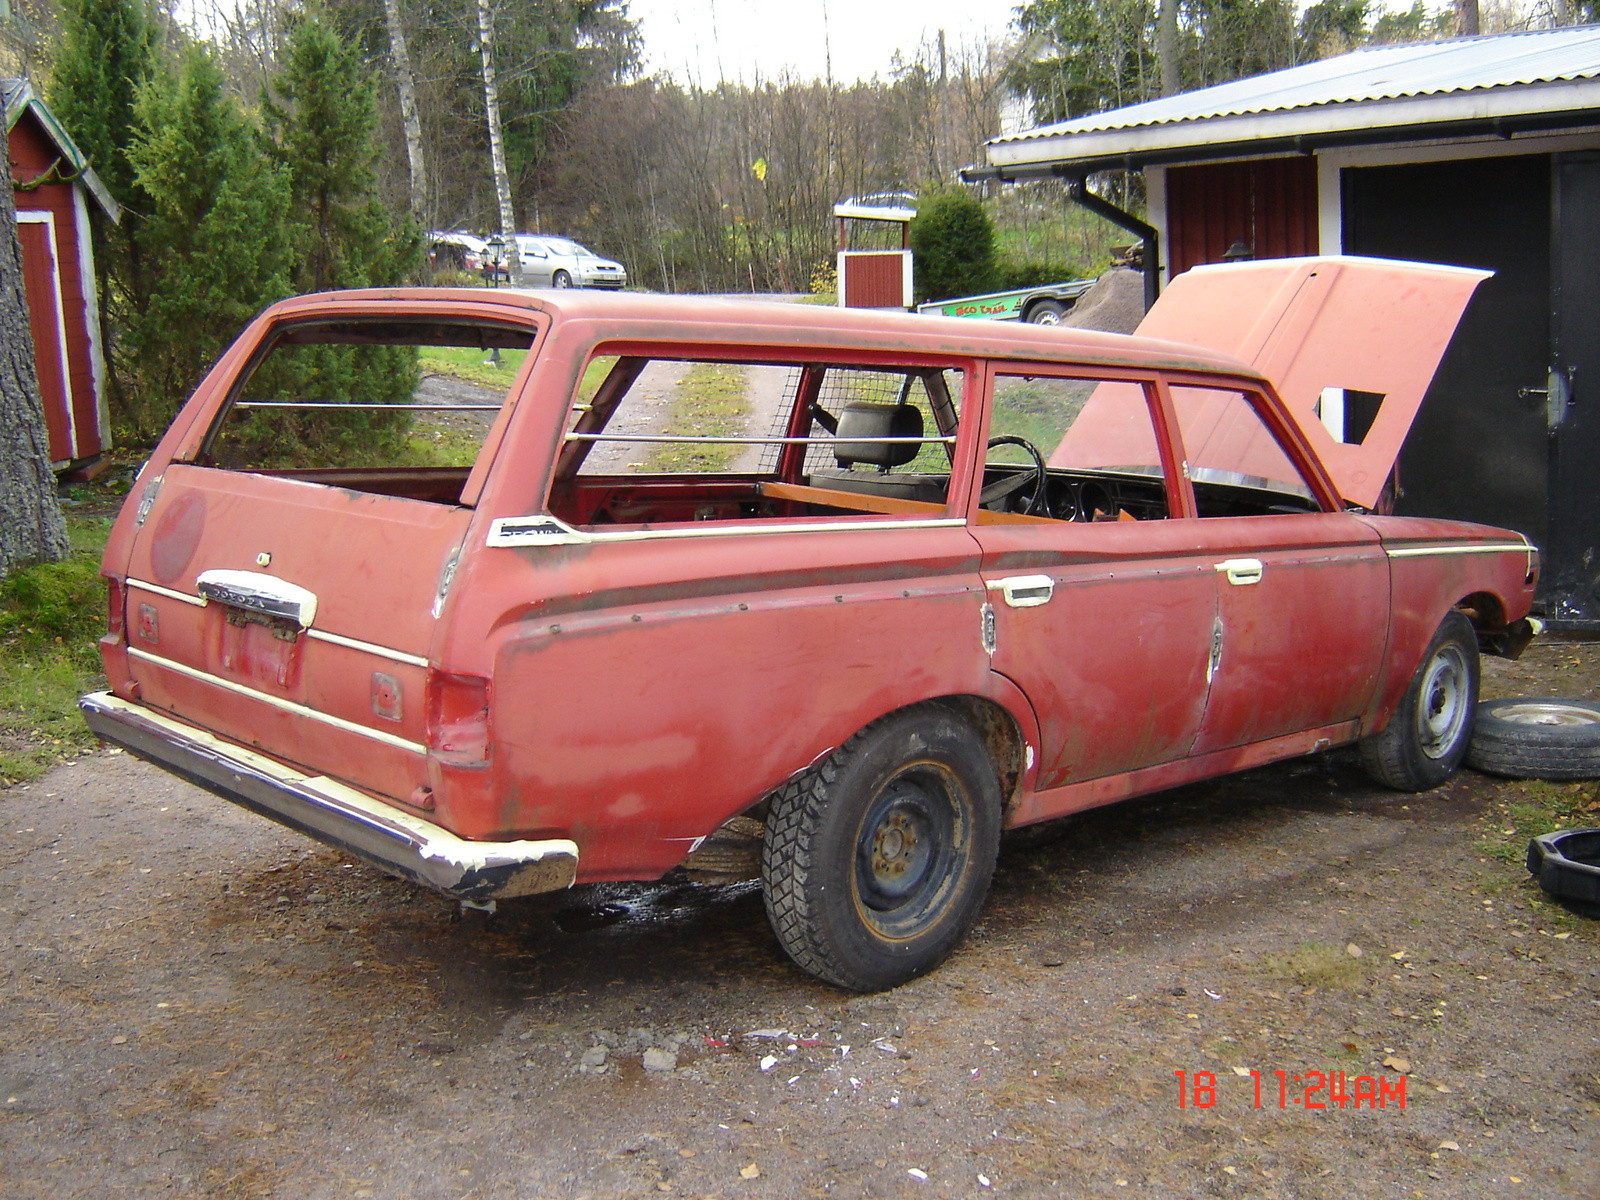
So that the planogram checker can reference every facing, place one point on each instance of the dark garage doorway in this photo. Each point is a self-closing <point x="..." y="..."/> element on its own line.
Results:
<point x="1479" y="449"/>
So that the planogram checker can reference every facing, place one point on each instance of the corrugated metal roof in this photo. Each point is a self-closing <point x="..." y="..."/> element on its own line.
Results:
<point x="1362" y="77"/>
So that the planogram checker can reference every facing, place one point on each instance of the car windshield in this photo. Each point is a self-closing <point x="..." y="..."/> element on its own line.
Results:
<point x="563" y="246"/>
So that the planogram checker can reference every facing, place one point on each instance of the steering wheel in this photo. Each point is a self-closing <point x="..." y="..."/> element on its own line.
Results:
<point x="1009" y="485"/>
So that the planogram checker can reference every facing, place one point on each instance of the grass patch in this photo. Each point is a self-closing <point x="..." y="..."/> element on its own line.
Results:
<point x="1530" y="807"/>
<point x="710" y="401"/>
<point x="472" y="365"/>
<point x="1316" y="964"/>
<point x="436" y="446"/>
<point x="50" y="619"/>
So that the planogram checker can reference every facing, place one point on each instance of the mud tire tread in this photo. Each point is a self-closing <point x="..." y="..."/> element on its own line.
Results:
<point x="796" y="815"/>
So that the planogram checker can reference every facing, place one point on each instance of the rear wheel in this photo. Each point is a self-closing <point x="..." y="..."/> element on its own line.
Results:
<point x="1046" y="312"/>
<point x="1428" y="735"/>
<point x="875" y="863"/>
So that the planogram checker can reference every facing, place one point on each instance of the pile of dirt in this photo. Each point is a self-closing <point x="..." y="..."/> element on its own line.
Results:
<point x="1115" y="304"/>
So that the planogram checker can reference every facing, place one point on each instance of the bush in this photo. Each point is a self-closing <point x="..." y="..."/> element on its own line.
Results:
<point x="443" y="277"/>
<point x="952" y="244"/>
<point x="1010" y="276"/>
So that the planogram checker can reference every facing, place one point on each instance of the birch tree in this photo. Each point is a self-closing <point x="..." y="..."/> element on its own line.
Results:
<point x="406" y="85"/>
<point x="497" y="143"/>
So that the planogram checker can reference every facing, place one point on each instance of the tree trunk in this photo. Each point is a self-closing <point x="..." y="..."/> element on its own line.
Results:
<point x="497" y="144"/>
<point x="31" y="528"/>
<point x="407" y="86"/>
<point x="1167" y="47"/>
<point x="1466" y="18"/>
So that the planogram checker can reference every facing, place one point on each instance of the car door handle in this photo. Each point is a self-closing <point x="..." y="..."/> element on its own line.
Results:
<point x="1024" y="591"/>
<point x="1241" y="571"/>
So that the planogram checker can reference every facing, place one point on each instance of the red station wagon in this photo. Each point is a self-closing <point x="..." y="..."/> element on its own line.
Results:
<point x="826" y="597"/>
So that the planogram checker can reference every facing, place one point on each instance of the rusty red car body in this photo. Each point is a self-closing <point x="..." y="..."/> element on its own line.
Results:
<point x="523" y="671"/>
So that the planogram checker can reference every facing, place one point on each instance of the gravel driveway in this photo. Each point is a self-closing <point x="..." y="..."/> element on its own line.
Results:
<point x="197" y="1004"/>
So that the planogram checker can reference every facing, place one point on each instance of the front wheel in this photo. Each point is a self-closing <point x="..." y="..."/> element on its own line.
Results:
<point x="561" y="280"/>
<point x="1428" y="735"/>
<point x="876" y="862"/>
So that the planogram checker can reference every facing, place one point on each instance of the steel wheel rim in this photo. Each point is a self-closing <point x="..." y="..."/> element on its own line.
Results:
<point x="1546" y="712"/>
<point x="908" y="850"/>
<point x="1442" y="702"/>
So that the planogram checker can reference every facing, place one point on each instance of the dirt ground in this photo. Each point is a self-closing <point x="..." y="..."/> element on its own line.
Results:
<point x="198" y="1004"/>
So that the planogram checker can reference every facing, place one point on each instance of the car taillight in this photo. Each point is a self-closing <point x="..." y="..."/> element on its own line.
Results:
<point x="116" y="604"/>
<point x="458" y="718"/>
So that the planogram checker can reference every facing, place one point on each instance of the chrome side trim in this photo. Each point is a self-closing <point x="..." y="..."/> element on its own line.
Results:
<point x="158" y="590"/>
<point x="552" y="531"/>
<point x="1428" y="551"/>
<point x="398" y="656"/>
<point x="300" y="710"/>
<point x="333" y="812"/>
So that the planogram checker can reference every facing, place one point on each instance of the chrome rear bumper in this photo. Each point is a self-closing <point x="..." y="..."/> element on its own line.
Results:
<point x="333" y="812"/>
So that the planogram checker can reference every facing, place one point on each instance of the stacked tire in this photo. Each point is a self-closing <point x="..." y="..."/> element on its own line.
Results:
<point x="1537" y="738"/>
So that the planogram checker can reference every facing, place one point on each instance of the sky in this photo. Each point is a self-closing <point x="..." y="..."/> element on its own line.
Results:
<point x="702" y="41"/>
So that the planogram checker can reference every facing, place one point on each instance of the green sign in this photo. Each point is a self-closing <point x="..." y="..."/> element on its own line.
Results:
<point x="997" y="306"/>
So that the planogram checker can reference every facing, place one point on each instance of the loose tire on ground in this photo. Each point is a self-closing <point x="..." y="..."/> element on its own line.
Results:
<point x="1427" y="737"/>
<point x="876" y="861"/>
<point x="1537" y="738"/>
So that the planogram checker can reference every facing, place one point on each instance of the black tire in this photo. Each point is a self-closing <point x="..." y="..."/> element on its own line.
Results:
<point x="1046" y="312"/>
<point x="561" y="280"/>
<point x="1537" y="738"/>
<point x="1428" y="735"/>
<point x="876" y="862"/>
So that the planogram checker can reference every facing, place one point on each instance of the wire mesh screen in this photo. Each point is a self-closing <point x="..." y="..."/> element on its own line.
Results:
<point x="849" y="385"/>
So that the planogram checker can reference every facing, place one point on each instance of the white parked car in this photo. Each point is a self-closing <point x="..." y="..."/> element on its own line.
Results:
<point x="560" y="262"/>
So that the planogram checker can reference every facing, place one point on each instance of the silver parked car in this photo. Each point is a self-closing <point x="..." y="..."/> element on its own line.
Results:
<point x="560" y="262"/>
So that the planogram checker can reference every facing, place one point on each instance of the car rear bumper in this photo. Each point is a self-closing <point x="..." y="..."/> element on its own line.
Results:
<point x="335" y="813"/>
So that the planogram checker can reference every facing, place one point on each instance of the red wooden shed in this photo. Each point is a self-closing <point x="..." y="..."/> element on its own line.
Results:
<point x="54" y="187"/>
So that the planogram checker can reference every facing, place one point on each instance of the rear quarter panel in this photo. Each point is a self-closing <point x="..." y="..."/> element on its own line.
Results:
<point x="644" y="691"/>
<point x="1435" y="566"/>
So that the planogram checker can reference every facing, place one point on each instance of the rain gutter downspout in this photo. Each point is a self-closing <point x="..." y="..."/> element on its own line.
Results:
<point x="1078" y="190"/>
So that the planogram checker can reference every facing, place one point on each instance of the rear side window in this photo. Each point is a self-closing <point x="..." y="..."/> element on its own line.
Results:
<point x="400" y="407"/>
<point x="658" y="440"/>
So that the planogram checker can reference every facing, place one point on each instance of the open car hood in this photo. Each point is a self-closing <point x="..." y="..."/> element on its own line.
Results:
<point x="1351" y="344"/>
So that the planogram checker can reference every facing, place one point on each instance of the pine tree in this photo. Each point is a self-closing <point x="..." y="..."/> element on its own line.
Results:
<point x="321" y="119"/>
<point x="216" y="209"/>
